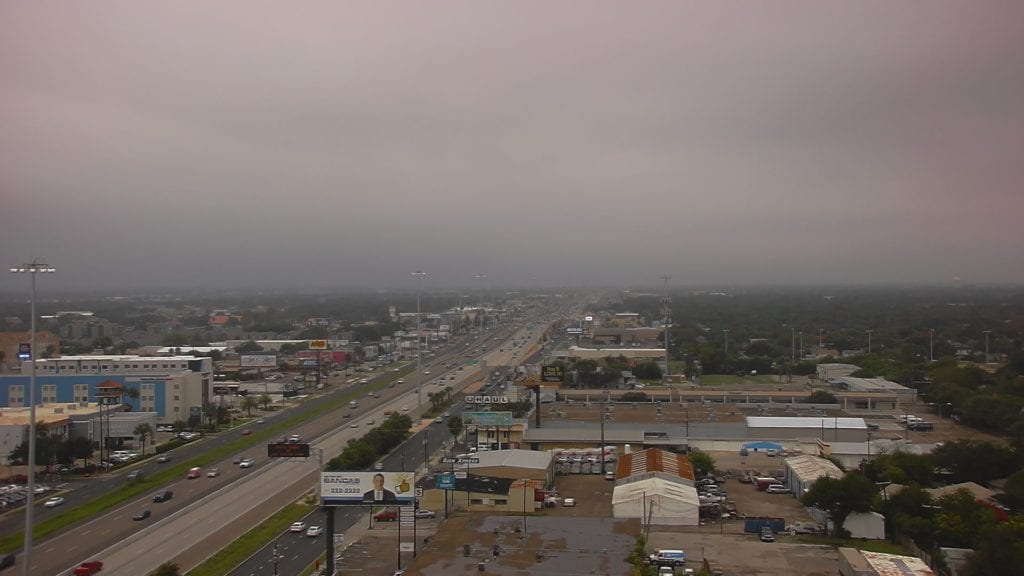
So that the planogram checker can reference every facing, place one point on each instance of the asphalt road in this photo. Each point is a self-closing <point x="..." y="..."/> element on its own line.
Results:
<point x="207" y="512"/>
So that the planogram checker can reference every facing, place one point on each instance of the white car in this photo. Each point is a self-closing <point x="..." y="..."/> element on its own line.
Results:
<point x="246" y="463"/>
<point x="314" y="531"/>
<point x="423" y="513"/>
<point x="297" y="527"/>
<point x="568" y="502"/>
<point x="54" y="502"/>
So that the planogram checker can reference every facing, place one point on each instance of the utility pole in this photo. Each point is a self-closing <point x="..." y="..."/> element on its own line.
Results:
<point x="987" y="332"/>
<point x="726" y="341"/>
<point x="869" y="340"/>
<point x="931" y="346"/>
<point x="666" y="318"/>
<point x="801" y="344"/>
<point x="419" y="274"/>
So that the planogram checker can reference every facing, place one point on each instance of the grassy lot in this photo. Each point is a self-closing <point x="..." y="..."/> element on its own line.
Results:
<point x="13" y="542"/>
<point x="727" y="379"/>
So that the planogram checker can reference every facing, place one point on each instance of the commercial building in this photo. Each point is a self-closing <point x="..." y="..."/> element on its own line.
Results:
<point x="876" y="385"/>
<point x="828" y="372"/>
<point x="801" y="472"/>
<point x="656" y="485"/>
<point x="853" y="562"/>
<point x="794" y="427"/>
<point x="512" y="464"/>
<point x="174" y="387"/>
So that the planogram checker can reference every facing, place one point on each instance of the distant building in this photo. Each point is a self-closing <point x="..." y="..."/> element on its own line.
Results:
<point x="829" y="371"/>
<point x="875" y="385"/>
<point x="853" y="562"/>
<point x="657" y="485"/>
<point x="793" y="427"/>
<point x="803" y="471"/>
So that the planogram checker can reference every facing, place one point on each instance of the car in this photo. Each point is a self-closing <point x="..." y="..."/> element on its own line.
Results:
<point x="246" y="463"/>
<point x="872" y="426"/>
<point x="260" y="421"/>
<point x="346" y="415"/>
<point x="405" y="408"/>
<point x="294" y="439"/>
<point x="6" y="562"/>
<point x="609" y="475"/>
<point x="297" y="527"/>
<point x="134" y="475"/>
<point x="354" y="425"/>
<point x="389" y="412"/>
<point x="386" y="516"/>
<point x="777" y="489"/>
<point x="213" y="473"/>
<point x="193" y="473"/>
<point x="371" y="422"/>
<point x="378" y="466"/>
<point x="163" y="496"/>
<point x="426" y="372"/>
<point x="767" y="535"/>
<point x="246" y="432"/>
<point x="314" y="531"/>
<point x="438" y="420"/>
<point x="163" y="458"/>
<point x="54" y="502"/>
<point x="88" y="568"/>
<point x="568" y="502"/>
<point x="142" y="515"/>
<point x="771" y="452"/>
<point x="423" y="513"/>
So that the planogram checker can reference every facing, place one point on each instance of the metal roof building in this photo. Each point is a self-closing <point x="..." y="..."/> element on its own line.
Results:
<point x="792" y="427"/>
<point x="802" y="471"/>
<point x="657" y="485"/>
<point x="854" y="562"/>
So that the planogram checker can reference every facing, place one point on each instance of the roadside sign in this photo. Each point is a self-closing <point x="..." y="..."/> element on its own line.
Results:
<point x="287" y="450"/>
<point x="446" y="481"/>
<point x="418" y="492"/>
<point x="460" y="475"/>
<point x="318" y="344"/>
<point x="24" y="351"/>
<point x="450" y="460"/>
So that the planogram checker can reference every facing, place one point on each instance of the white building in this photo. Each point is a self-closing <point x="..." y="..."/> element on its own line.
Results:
<point x="802" y="471"/>
<point x="657" y="485"/>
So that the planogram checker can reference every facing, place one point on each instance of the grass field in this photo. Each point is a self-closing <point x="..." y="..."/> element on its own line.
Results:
<point x="727" y="379"/>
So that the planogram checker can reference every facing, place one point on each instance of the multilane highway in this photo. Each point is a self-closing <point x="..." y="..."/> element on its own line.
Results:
<point x="210" y="519"/>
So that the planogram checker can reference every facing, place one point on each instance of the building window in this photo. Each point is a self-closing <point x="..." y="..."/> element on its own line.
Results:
<point x="176" y="397"/>
<point x="49" y="393"/>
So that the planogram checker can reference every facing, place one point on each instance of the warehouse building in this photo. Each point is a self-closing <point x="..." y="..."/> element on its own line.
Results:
<point x="853" y="562"/>
<point x="657" y="485"/>
<point x="797" y="427"/>
<point x="802" y="471"/>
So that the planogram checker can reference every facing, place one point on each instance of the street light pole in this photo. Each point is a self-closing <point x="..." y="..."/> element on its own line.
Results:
<point x="419" y="274"/>
<point x="987" y="332"/>
<point x="726" y="341"/>
<point x="931" y="347"/>
<point x="33" y="268"/>
<point x="481" y="278"/>
<point x="869" y="340"/>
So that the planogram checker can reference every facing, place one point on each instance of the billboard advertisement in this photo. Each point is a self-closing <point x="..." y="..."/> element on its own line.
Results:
<point x="287" y="450"/>
<point x="347" y="488"/>
<point x="551" y="373"/>
<point x="487" y="418"/>
<point x="257" y="361"/>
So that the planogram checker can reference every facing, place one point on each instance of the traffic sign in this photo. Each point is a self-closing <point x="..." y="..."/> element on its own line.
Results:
<point x="24" y="351"/>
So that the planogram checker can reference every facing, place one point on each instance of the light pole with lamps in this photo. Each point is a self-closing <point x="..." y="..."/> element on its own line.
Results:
<point x="33" y="268"/>
<point x="869" y="340"/>
<point x="931" y="345"/>
<point x="481" y="278"/>
<point x="419" y="274"/>
<point x="987" y="332"/>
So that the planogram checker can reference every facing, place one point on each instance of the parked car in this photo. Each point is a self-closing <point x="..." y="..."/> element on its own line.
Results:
<point x="163" y="496"/>
<point x="386" y="516"/>
<point x="54" y="502"/>
<point x="568" y="502"/>
<point x="297" y="527"/>
<point x="777" y="489"/>
<point x="767" y="535"/>
<point x="314" y="531"/>
<point x="142" y="515"/>
<point x="423" y="513"/>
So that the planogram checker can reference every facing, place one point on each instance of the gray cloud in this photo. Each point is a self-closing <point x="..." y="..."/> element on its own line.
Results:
<point x="327" y="144"/>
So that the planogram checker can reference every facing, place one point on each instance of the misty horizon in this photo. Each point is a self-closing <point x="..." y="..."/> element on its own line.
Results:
<point x="152" y="148"/>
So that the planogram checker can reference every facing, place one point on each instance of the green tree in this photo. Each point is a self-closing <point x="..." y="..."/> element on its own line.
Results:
<point x="81" y="448"/>
<point x="821" y="397"/>
<point x="249" y="403"/>
<point x="1014" y="490"/>
<point x="247" y="347"/>
<point x="975" y="461"/>
<point x="1000" y="550"/>
<point x="961" y="520"/>
<point x="647" y="371"/>
<point x="143" y="431"/>
<point x="840" y="497"/>
<point x="103" y="342"/>
<point x="702" y="462"/>
<point x="901" y="468"/>
<point x="455" y="425"/>
<point x="265" y="401"/>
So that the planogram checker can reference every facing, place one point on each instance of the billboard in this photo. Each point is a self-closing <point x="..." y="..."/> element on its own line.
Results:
<point x="574" y="330"/>
<point x="257" y="361"/>
<point x="318" y="344"/>
<point x="551" y="373"/>
<point x="487" y="418"/>
<point x="486" y="399"/>
<point x="348" y="488"/>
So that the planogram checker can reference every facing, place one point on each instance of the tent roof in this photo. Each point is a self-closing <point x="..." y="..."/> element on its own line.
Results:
<point x="654" y="488"/>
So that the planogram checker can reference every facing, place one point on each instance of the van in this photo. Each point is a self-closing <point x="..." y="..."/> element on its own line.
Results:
<point x="668" y="557"/>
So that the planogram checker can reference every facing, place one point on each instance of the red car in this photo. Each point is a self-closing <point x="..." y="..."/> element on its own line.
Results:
<point x="386" y="516"/>
<point x="89" y="568"/>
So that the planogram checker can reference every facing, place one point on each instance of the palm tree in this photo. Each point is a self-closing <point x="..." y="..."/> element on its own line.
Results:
<point x="265" y="401"/>
<point x="250" y="402"/>
<point x="143" y="431"/>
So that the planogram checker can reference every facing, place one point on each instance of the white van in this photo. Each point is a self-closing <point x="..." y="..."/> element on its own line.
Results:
<point x="667" y="557"/>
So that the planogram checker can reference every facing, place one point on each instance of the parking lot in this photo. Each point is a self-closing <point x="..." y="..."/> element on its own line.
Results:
<point x="584" y="539"/>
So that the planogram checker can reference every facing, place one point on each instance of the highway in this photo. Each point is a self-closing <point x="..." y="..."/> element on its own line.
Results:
<point x="206" y="513"/>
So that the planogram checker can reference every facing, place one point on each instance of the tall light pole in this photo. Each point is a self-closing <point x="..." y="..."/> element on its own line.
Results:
<point x="419" y="274"/>
<point x="33" y="268"/>
<point x="869" y="340"/>
<point x="987" y="332"/>
<point x="666" y="312"/>
<point x="931" y="347"/>
<point x="481" y="278"/>
<point x="792" y="344"/>
<point x="820" y="341"/>
<point x="726" y="341"/>
<point x="801" y="345"/>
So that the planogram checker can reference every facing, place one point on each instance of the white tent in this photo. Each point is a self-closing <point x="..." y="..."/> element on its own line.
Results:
<point x="663" y="501"/>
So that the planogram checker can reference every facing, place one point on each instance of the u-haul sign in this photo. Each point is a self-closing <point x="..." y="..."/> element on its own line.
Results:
<point x="487" y="400"/>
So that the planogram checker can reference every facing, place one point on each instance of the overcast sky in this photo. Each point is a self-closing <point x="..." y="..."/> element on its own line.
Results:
<point x="274" y="144"/>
